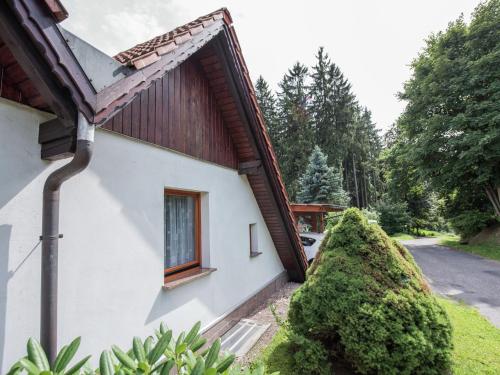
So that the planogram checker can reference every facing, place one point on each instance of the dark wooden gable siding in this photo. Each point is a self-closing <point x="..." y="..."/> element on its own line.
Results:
<point x="217" y="76"/>
<point x="179" y="112"/>
<point x="15" y="84"/>
<point x="216" y="70"/>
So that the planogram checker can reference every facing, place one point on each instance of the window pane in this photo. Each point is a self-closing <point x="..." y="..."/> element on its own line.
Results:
<point x="180" y="246"/>
<point x="254" y="240"/>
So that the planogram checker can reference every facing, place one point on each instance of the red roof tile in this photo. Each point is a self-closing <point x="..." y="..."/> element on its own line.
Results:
<point x="167" y="42"/>
<point x="57" y="9"/>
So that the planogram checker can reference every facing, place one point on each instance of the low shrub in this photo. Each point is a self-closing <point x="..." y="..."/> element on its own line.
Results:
<point x="158" y="355"/>
<point x="470" y="223"/>
<point x="393" y="217"/>
<point x="371" y="214"/>
<point x="366" y="302"/>
<point x="309" y="356"/>
<point x="332" y="219"/>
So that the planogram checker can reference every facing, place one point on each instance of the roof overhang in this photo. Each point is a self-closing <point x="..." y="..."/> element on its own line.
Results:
<point x="230" y="50"/>
<point x="315" y="207"/>
<point x="29" y="29"/>
<point x="57" y="9"/>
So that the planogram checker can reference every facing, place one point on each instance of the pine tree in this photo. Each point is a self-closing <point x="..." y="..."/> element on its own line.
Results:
<point x="332" y="106"/>
<point x="361" y="165"/>
<point x="322" y="105"/>
<point x="321" y="183"/>
<point x="344" y="106"/>
<point x="325" y="114"/>
<point x="267" y="104"/>
<point x="297" y="138"/>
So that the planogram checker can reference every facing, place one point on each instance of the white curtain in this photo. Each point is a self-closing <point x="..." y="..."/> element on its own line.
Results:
<point x="179" y="230"/>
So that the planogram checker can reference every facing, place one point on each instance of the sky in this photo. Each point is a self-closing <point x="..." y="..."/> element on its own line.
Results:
<point x="372" y="41"/>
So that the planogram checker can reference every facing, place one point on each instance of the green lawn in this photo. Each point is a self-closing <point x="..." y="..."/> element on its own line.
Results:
<point x="426" y="233"/>
<point x="476" y="344"/>
<point x="487" y="250"/>
<point x="402" y="236"/>
<point x="277" y="355"/>
<point x="476" y="341"/>
<point x="414" y="234"/>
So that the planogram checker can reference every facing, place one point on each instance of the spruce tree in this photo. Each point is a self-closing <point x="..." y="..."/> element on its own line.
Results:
<point x="332" y="106"/>
<point x="267" y="104"/>
<point x="322" y="103"/>
<point x="321" y="183"/>
<point x="326" y="114"/>
<point x="344" y="105"/>
<point x="297" y="140"/>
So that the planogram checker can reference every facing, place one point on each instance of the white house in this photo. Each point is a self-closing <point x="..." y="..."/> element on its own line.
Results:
<point x="181" y="214"/>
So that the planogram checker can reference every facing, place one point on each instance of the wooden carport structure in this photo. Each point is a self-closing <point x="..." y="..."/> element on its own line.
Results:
<point x="313" y="214"/>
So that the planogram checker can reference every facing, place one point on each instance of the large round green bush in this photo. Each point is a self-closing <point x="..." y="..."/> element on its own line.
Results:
<point x="366" y="301"/>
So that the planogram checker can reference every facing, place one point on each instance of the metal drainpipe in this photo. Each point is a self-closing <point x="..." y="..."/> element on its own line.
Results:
<point x="50" y="234"/>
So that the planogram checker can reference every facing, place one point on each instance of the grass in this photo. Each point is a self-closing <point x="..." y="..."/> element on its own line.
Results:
<point x="486" y="250"/>
<point x="415" y="234"/>
<point x="426" y="233"/>
<point x="402" y="236"/>
<point x="476" y="344"/>
<point x="476" y="341"/>
<point x="277" y="356"/>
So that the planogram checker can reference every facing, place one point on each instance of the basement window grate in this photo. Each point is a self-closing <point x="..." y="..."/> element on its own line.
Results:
<point x="242" y="337"/>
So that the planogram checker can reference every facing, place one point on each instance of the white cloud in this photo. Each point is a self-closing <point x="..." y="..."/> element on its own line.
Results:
<point x="116" y="25"/>
<point x="139" y="27"/>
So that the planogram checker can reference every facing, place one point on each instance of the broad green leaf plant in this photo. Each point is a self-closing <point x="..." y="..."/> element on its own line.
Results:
<point x="36" y="363"/>
<point x="160" y="354"/>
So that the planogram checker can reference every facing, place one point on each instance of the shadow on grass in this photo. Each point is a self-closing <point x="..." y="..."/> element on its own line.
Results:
<point x="278" y="356"/>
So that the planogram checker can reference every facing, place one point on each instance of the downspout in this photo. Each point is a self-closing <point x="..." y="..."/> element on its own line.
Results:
<point x="50" y="234"/>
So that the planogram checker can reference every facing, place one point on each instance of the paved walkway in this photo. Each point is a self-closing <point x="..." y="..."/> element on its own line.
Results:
<point x="461" y="276"/>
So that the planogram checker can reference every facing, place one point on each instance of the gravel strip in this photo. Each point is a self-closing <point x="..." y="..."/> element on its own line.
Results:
<point x="280" y="299"/>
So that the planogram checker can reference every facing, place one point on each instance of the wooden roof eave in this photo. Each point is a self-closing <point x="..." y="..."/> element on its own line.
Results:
<point x="225" y="44"/>
<point x="315" y="208"/>
<point x="32" y="34"/>
<point x="58" y="10"/>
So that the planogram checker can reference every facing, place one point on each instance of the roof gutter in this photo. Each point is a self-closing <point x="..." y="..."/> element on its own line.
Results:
<point x="50" y="233"/>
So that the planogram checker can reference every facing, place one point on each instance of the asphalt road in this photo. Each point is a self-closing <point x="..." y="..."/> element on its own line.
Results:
<point x="461" y="276"/>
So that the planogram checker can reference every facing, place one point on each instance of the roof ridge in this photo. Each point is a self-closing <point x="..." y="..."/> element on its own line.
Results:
<point x="149" y="51"/>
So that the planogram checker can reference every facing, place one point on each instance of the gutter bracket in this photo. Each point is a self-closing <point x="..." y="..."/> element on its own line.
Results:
<point x="41" y="238"/>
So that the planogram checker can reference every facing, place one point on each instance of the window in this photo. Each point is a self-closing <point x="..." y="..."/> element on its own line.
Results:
<point x="254" y="241"/>
<point x="182" y="234"/>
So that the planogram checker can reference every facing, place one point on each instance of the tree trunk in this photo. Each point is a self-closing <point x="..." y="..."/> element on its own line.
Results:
<point x="361" y="191"/>
<point x="355" y="180"/>
<point x="494" y="197"/>
<point x="365" y="189"/>
<point x="347" y="187"/>
<point x="374" y="176"/>
<point x="346" y="176"/>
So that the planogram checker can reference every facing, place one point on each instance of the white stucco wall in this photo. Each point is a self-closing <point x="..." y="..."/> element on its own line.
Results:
<point x="111" y="256"/>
